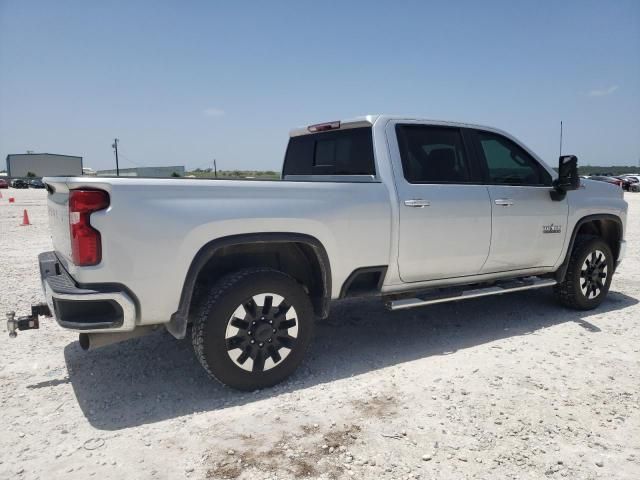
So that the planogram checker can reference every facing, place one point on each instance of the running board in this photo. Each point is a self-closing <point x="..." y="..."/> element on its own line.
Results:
<point x="498" y="288"/>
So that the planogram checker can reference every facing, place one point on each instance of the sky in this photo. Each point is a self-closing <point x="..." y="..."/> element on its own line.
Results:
<point x="182" y="83"/>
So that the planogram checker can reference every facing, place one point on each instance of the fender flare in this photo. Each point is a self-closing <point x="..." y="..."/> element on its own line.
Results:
<point x="177" y="325"/>
<point x="562" y="269"/>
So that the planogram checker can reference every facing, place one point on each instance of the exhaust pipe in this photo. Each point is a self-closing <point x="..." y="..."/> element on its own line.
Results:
<point x="91" y="341"/>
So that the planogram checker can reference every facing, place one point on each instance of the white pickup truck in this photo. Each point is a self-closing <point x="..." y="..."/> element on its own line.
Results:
<point x="413" y="211"/>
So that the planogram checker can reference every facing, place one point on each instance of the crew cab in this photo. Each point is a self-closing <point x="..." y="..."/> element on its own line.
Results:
<point x="413" y="211"/>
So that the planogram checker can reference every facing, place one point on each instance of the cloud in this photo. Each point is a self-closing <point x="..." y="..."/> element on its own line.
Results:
<point x="602" y="93"/>
<point x="213" y="112"/>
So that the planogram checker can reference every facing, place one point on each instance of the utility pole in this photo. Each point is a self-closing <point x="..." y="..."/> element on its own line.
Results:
<point x="215" y="168"/>
<point x="115" y="147"/>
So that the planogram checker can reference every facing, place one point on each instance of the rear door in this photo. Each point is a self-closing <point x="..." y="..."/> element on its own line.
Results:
<point x="445" y="211"/>
<point x="528" y="227"/>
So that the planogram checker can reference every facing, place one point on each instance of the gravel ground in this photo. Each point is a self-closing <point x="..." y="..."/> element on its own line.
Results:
<point x="502" y="387"/>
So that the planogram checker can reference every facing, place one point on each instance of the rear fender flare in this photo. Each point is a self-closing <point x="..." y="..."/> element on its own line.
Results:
<point x="177" y="326"/>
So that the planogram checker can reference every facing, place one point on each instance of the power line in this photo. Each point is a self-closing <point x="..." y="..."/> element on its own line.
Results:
<point x="124" y="154"/>
<point x="204" y="164"/>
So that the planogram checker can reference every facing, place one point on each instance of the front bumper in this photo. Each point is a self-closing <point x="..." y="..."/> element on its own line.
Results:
<point x="96" y="309"/>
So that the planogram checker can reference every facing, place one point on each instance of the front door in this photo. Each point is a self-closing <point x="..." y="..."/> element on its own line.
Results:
<point x="528" y="227"/>
<point x="445" y="211"/>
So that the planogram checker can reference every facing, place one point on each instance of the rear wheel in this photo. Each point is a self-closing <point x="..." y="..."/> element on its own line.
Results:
<point x="588" y="276"/>
<point x="253" y="328"/>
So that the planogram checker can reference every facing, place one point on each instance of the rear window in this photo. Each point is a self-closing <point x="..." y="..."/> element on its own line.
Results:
<point x="339" y="152"/>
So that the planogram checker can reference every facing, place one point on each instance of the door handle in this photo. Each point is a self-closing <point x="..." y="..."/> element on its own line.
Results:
<point x="417" y="203"/>
<point x="505" y="202"/>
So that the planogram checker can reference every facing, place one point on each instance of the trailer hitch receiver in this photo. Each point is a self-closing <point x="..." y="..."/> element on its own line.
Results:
<point x="28" y="322"/>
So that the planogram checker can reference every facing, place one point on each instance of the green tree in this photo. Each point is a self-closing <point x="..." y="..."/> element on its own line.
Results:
<point x="175" y="174"/>
<point x="31" y="174"/>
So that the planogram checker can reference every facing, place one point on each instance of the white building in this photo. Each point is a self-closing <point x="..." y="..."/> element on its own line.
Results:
<point x="43" y="165"/>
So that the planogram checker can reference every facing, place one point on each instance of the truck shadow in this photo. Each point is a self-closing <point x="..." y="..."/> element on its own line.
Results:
<point x="156" y="378"/>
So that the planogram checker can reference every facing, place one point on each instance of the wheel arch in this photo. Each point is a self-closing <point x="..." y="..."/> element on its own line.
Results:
<point x="607" y="226"/>
<point x="301" y="256"/>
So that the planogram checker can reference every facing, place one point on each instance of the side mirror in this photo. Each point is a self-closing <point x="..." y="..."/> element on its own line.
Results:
<point x="568" y="178"/>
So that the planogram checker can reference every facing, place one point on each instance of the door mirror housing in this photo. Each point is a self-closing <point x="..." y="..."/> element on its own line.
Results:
<point x="568" y="178"/>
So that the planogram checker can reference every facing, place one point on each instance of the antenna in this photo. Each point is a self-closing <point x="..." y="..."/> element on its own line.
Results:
<point x="560" y="137"/>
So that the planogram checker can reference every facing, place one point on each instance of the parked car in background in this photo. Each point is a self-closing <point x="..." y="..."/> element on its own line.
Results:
<point x="634" y="185"/>
<point x="4" y="183"/>
<point x="19" y="183"/>
<point x="633" y="179"/>
<point x="633" y="176"/>
<point x="35" y="183"/>
<point x="600" y="178"/>
<point x="626" y="181"/>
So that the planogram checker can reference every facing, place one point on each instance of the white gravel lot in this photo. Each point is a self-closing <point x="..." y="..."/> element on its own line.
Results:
<point x="500" y="387"/>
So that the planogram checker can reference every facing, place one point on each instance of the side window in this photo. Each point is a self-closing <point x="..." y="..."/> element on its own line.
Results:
<point x="433" y="154"/>
<point x="509" y="164"/>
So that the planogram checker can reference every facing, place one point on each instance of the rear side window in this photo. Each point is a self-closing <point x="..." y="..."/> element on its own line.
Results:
<point x="433" y="154"/>
<point x="339" y="152"/>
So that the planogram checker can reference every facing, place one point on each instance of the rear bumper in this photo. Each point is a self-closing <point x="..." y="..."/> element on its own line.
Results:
<point x="96" y="309"/>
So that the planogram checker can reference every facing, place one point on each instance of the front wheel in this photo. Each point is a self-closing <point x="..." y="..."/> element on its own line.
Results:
<point x="253" y="328"/>
<point x="588" y="276"/>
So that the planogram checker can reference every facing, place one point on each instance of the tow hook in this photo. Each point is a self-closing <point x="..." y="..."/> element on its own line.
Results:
<point x="28" y="322"/>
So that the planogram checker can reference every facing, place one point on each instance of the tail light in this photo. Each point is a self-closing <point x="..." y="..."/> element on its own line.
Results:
<point x="86" y="245"/>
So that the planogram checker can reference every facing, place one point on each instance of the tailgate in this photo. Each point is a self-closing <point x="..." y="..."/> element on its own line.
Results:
<point x="58" y="209"/>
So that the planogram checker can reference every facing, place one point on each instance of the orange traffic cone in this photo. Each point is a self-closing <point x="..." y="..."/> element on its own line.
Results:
<point x="0" y="194"/>
<point x="25" y="219"/>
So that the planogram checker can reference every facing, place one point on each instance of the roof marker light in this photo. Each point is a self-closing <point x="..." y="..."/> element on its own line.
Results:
<point x="322" y="127"/>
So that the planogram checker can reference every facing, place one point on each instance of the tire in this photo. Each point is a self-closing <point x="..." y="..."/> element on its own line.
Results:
<point x="588" y="276"/>
<point x="246" y="341"/>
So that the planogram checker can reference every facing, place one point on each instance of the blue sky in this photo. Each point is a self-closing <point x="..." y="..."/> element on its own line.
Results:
<point x="186" y="82"/>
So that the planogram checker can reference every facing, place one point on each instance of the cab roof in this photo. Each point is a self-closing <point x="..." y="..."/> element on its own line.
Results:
<point x="370" y="120"/>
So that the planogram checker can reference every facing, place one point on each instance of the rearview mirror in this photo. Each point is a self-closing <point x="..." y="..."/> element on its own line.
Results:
<point x="568" y="178"/>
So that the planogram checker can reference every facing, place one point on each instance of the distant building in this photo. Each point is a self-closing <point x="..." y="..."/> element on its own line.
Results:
<point x="145" y="172"/>
<point x="43" y="165"/>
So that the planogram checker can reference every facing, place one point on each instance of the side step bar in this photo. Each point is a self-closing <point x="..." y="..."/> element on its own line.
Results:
<point x="440" y="296"/>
